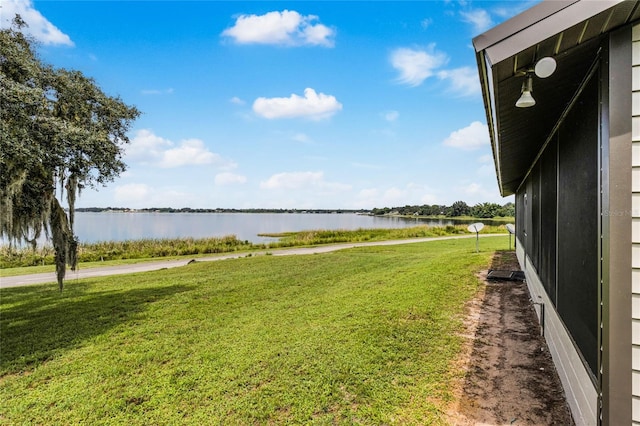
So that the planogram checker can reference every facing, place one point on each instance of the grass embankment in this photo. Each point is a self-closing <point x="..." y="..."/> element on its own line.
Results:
<point x="43" y="257"/>
<point x="466" y="219"/>
<point x="365" y="335"/>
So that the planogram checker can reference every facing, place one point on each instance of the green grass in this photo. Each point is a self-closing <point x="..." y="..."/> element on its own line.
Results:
<point x="26" y="261"/>
<point x="11" y="257"/>
<point x="358" y="336"/>
<point x="318" y="237"/>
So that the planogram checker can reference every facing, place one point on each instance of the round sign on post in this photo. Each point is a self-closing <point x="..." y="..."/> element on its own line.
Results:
<point x="476" y="227"/>
<point x="512" y="230"/>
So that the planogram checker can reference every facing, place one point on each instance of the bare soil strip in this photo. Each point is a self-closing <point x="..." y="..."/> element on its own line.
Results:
<point x="509" y="375"/>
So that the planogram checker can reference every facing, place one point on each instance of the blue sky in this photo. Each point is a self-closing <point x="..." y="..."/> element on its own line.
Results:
<point x="285" y="104"/>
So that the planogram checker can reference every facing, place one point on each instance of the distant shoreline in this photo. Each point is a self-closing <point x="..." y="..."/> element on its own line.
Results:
<point x="287" y="211"/>
<point x="217" y="210"/>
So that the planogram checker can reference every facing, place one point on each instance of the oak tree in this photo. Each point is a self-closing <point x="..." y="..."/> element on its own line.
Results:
<point x="59" y="133"/>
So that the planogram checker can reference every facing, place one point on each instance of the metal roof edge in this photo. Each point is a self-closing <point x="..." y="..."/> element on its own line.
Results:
<point x="519" y="22"/>
<point x="573" y="14"/>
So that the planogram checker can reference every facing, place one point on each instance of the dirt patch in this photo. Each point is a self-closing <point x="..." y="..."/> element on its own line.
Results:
<point x="509" y="375"/>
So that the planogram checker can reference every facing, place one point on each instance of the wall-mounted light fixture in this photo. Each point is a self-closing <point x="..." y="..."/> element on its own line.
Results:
<point x="543" y="69"/>
<point x="526" y="99"/>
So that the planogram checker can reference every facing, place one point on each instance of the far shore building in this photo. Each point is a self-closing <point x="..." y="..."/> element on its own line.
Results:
<point x="570" y="152"/>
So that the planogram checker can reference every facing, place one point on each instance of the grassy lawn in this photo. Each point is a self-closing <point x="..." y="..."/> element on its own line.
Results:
<point x="24" y="260"/>
<point x="361" y="336"/>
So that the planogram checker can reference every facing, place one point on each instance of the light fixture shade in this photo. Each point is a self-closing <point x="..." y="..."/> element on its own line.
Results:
<point x="526" y="100"/>
<point x="545" y="67"/>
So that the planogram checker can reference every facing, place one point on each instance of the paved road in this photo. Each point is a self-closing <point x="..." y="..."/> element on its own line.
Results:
<point x="22" y="280"/>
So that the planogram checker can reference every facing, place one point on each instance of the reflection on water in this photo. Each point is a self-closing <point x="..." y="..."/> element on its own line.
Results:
<point x="118" y="226"/>
<point x="112" y="226"/>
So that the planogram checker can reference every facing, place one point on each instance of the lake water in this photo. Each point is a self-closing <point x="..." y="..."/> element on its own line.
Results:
<point x="118" y="226"/>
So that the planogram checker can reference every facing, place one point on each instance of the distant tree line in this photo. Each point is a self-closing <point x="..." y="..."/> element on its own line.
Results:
<point x="459" y="208"/>
<point x="216" y="210"/>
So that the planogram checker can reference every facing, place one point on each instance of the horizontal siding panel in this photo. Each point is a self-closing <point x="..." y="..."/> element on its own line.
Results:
<point x="635" y="256"/>
<point x="635" y="230"/>
<point x="635" y="281"/>
<point x="635" y="153"/>
<point x="635" y="306"/>
<point x="635" y="179"/>
<point x="635" y="205"/>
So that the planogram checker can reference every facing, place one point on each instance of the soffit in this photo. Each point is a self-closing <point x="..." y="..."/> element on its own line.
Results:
<point x="568" y="31"/>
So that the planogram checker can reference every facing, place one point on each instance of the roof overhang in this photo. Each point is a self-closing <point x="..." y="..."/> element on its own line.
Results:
<point x="567" y="30"/>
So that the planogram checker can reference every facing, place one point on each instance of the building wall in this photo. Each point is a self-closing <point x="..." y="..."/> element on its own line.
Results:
<point x="635" y="235"/>
<point x="581" y="392"/>
<point x="600" y="387"/>
<point x="558" y="234"/>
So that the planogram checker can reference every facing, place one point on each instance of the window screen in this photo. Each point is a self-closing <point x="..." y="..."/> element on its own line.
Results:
<point x="577" y="285"/>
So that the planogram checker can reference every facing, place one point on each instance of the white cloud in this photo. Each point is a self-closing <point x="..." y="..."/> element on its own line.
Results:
<point x="237" y="101"/>
<point x="315" y="106"/>
<point x="140" y="195"/>
<point x="487" y="168"/>
<point x="426" y="23"/>
<point x="513" y="9"/>
<point x="391" y="197"/>
<point x="367" y="166"/>
<point x="286" y="28"/>
<point x="479" y="18"/>
<point x="38" y="26"/>
<point x="487" y="158"/>
<point x="394" y="196"/>
<point x="301" y="137"/>
<point x="475" y="193"/>
<point x="391" y="115"/>
<point x="474" y="136"/>
<point x="157" y="91"/>
<point x="189" y="152"/>
<point x="228" y="178"/>
<point x="302" y="180"/>
<point x="473" y="188"/>
<point x="148" y="148"/>
<point x="293" y="180"/>
<point x="416" y="65"/>
<point x="131" y="192"/>
<point x="463" y="81"/>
